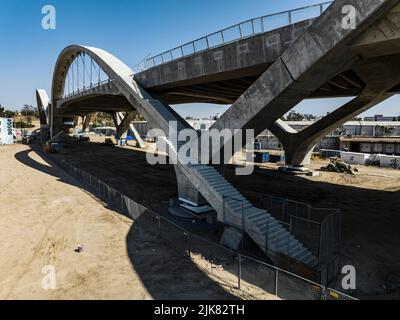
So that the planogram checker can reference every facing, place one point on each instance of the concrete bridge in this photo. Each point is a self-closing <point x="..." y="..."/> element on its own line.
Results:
<point x="263" y="75"/>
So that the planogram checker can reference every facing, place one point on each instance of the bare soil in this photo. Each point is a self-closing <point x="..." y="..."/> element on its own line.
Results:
<point x="45" y="214"/>
<point x="369" y="202"/>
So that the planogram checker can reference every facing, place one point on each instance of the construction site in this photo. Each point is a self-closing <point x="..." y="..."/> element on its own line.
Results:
<point x="118" y="195"/>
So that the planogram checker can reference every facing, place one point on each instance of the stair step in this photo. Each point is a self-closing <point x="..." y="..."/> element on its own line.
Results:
<point x="273" y="227"/>
<point x="225" y="191"/>
<point x="254" y="213"/>
<point x="309" y="260"/>
<point x="206" y="169"/>
<point x="293" y="249"/>
<point x="261" y="218"/>
<point x="239" y="208"/>
<point x="275" y="236"/>
<point x="302" y="255"/>
<point x="270" y="231"/>
<point x="285" y="245"/>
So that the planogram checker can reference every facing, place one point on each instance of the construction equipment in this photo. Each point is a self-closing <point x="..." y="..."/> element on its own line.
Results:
<point x="337" y="165"/>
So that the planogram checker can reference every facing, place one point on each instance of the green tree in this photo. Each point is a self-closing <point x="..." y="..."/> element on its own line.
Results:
<point x="30" y="111"/>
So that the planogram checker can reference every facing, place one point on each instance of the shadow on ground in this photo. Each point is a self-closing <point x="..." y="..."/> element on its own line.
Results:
<point x="165" y="273"/>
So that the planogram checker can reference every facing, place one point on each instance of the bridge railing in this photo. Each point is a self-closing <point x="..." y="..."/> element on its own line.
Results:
<point x="85" y="89"/>
<point x="239" y="31"/>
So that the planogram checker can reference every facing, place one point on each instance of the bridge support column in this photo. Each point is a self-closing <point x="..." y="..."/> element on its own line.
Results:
<point x="299" y="146"/>
<point x="86" y="122"/>
<point x="380" y="77"/>
<point x="187" y="191"/>
<point x="123" y="123"/>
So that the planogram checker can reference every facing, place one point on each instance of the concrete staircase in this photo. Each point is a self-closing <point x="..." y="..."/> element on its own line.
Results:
<point x="235" y="210"/>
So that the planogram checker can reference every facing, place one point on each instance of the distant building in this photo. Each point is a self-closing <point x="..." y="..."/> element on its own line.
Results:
<point x="201" y="124"/>
<point x="382" y="118"/>
<point x="382" y="145"/>
<point x="357" y="136"/>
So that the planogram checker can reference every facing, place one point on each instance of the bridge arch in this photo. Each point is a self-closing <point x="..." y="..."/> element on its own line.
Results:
<point x="124" y="80"/>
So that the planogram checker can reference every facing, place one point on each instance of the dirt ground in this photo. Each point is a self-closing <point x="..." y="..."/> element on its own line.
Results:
<point x="45" y="215"/>
<point x="369" y="202"/>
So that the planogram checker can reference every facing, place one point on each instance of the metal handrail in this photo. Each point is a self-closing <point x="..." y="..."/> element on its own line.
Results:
<point x="256" y="25"/>
<point x="86" y="89"/>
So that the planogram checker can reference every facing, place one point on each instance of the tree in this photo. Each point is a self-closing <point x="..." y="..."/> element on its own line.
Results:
<point x="4" y="113"/>
<point x="30" y="111"/>
<point x="296" y="116"/>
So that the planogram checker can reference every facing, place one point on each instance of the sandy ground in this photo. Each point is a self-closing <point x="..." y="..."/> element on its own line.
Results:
<point x="369" y="202"/>
<point x="44" y="215"/>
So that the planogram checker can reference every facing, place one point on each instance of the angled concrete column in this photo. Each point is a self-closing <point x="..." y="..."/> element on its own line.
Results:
<point x="299" y="146"/>
<point x="116" y="119"/>
<point x="380" y="76"/>
<point x="138" y="138"/>
<point x="43" y="102"/>
<point x="86" y="121"/>
<point x="125" y="123"/>
<point x="322" y="52"/>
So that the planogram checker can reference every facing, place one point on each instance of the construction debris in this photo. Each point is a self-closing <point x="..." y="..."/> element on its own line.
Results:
<point x="79" y="248"/>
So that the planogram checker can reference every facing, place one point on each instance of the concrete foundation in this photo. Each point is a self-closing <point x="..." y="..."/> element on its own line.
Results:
<point x="232" y="238"/>
<point x="187" y="191"/>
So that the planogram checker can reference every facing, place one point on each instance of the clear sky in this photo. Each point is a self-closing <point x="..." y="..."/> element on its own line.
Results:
<point x="130" y="29"/>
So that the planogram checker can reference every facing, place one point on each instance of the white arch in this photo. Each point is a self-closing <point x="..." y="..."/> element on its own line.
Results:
<point x="156" y="113"/>
<point x="43" y="102"/>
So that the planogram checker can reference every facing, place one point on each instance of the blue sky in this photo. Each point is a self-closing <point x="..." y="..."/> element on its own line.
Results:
<point x="130" y="29"/>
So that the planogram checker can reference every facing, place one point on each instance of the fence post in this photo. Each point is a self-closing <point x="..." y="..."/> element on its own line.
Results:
<point x="243" y="228"/>
<point x="223" y="211"/>
<point x="239" y="271"/>
<point x="267" y="240"/>
<point x="288" y="246"/>
<point x="276" y="282"/>
<point x="323" y="293"/>
<point x="188" y="245"/>
<point x="159" y="227"/>
<point x="285" y="210"/>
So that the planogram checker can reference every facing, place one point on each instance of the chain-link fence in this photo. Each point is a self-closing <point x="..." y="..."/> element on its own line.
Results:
<point x="253" y="278"/>
<point x="318" y="229"/>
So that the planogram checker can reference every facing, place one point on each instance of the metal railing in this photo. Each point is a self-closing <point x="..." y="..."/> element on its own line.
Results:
<point x="239" y="31"/>
<point x="318" y="229"/>
<point x="86" y="89"/>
